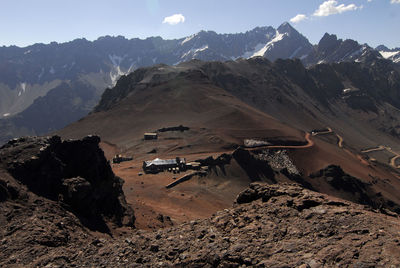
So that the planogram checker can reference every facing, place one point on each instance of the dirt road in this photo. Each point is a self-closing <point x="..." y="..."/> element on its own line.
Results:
<point x="309" y="144"/>
<point x="392" y="160"/>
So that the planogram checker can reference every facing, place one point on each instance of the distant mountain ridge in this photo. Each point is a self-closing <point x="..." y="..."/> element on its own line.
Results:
<point x="333" y="50"/>
<point x="390" y="54"/>
<point x="34" y="71"/>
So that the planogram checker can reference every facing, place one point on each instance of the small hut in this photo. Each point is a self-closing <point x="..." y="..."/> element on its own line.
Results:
<point x="150" y="136"/>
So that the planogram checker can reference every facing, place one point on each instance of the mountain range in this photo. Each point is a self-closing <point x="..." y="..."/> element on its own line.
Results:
<point x="45" y="87"/>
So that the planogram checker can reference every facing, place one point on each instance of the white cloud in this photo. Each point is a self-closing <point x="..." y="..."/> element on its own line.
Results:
<point x="298" y="18"/>
<point x="331" y="7"/>
<point x="174" y="19"/>
<point x="395" y="1"/>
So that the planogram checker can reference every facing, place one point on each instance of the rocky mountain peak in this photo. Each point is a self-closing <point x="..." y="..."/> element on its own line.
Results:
<point x="382" y="48"/>
<point x="328" y="41"/>
<point x="262" y="29"/>
<point x="287" y="28"/>
<point x="386" y="49"/>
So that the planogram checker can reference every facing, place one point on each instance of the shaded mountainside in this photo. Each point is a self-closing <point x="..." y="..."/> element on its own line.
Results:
<point x="72" y="175"/>
<point x="271" y="226"/>
<point x="341" y="95"/>
<point x="62" y="105"/>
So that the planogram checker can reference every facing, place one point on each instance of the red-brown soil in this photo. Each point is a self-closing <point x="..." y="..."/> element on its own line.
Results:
<point x="194" y="199"/>
<point x="201" y="197"/>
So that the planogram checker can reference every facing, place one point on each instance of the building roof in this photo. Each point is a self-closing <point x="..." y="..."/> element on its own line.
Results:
<point x="150" y="134"/>
<point x="160" y="162"/>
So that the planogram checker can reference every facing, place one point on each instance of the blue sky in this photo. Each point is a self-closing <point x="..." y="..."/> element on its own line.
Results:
<point x="24" y="22"/>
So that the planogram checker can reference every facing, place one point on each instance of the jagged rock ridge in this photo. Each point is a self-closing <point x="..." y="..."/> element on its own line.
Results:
<point x="74" y="173"/>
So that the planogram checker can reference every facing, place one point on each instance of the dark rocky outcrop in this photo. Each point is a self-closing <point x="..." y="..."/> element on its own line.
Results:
<point x="222" y="160"/>
<point x="256" y="169"/>
<point x="353" y="189"/>
<point x="73" y="172"/>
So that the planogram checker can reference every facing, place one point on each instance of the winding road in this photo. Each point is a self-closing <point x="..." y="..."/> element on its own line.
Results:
<point x="340" y="141"/>
<point x="309" y="144"/>
<point x="330" y="131"/>
<point x="382" y="148"/>
<point x="379" y="148"/>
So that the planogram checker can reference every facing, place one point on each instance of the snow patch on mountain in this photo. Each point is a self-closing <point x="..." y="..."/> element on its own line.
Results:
<point x="389" y="54"/>
<point x="187" y="39"/>
<point x="115" y="74"/>
<point x="23" y="87"/>
<point x="116" y="71"/>
<point x="249" y="54"/>
<point x="194" y="51"/>
<point x="278" y="37"/>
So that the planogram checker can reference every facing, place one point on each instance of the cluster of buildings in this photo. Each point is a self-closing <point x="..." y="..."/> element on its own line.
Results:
<point x="160" y="165"/>
<point x="175" y="165"/>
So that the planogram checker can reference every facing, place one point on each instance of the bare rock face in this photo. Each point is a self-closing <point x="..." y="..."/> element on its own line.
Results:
<point x="280" y="225"/>
<point x="276" y="226"/>
<point x="256" y="169"/>
<point x="74" y="172"/>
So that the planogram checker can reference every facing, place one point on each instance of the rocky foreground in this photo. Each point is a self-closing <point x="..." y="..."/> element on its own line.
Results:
<point x="276" y="226"/>
<point x="279" y="225"/>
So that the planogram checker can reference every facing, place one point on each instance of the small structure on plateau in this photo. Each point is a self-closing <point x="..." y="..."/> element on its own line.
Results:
<point x="119" y="158"/>
<point x="150" y="136"/>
